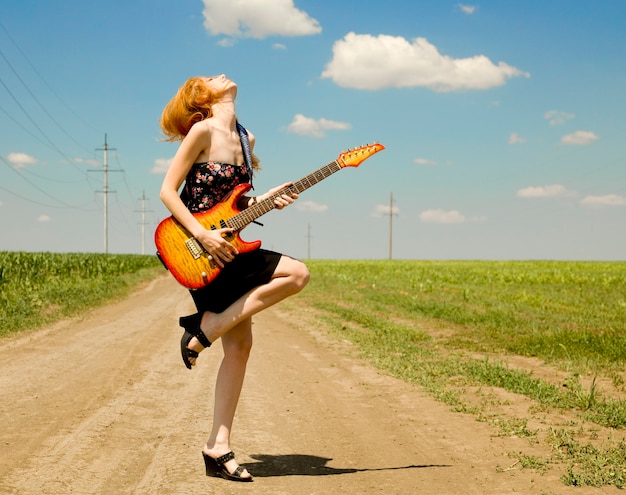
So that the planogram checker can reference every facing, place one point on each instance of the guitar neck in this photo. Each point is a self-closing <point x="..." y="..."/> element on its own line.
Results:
<point x="250" y="214"/>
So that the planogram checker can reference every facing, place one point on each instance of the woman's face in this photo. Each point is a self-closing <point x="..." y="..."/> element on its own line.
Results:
<point x="221" y="86"/>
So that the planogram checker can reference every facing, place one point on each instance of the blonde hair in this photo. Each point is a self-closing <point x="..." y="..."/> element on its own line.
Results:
<point x="191" y="104"/>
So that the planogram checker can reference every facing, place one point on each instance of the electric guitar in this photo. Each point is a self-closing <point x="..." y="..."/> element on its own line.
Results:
<point x="185" y="257"/>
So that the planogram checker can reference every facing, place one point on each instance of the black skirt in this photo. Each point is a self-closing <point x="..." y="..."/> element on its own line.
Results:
<point x="244" y="273"/>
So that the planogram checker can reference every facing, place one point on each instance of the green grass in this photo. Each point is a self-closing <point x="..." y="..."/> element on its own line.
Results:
<point x="572" y="312"/>
<point x="430" y="323"/>
<point x="37" y="288"/>
<point x="449" y="327"/>
<point x="587" y="464"/>
<point x="574" y="319"/>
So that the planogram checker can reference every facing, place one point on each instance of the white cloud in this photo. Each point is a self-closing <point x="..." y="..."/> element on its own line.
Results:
<point x="384" y="210"/>
<point x="91" y="162"/>
<point x="363" y="61"/>
<point x="607" y="200"/>
<point x="160" y="165"/>
<point x="550" y="191"/>
<point x="279" y="46"/>
<point x="257" y="19"/>
<point x="580" y="137"/>
<point x="468" y="9"/>
<point x="226" y="42"/>
<point x="307" y="126"/>
<point x="442" y="216"/>
<point x="43" y="218"/>
<point x="311" y="206"/>
<point x="424" y="161"/>
<point x="556" y="117"/>
<point x="21" y="160"/>
<point x="515" y="138"/>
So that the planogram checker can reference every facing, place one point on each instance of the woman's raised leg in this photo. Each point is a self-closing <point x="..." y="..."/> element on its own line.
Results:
<point x="289" y="278"/>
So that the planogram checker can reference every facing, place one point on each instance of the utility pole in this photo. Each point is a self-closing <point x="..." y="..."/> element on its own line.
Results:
<point x="143" y="222"/>
<point x="390" y="225"/>
<point x="308" y="239"/>
<point x="105" y="191"/>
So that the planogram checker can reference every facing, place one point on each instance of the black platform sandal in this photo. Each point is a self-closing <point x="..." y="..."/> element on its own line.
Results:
<point x="191" y="324"/>
<point x="215" y="467"/>
<point x="212" y="469"/>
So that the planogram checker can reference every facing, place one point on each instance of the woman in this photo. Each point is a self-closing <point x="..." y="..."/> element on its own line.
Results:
<point x="211" y="162"/>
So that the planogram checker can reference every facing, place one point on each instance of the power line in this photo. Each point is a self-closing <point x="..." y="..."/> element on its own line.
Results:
<point x="37" y="100"/>
<point x="32" y="66"/>
<point x="42" y="191"/>
<point x="24" y="128"/>
<point x="32" y="121"/>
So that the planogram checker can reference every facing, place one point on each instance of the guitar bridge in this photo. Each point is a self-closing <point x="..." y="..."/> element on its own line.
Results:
<point x="195" y="248"/>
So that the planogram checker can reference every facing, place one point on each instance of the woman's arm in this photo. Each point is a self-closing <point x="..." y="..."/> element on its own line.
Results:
<point x="190" y="149"/>
<point x="280" y="201"/>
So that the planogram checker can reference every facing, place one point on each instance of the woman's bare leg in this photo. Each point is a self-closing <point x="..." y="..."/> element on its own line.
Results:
<point x="237" y="344"/>
<point x="289" y="278"/>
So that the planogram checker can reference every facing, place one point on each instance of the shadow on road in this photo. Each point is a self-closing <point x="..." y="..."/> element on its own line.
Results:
<point x="267" y="466"/>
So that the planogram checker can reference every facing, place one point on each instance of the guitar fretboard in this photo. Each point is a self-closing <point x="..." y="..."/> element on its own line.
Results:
<point x="250" y="214"/>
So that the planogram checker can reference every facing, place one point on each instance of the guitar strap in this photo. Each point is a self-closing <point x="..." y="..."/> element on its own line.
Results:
<point x="245" y="146"/>
<point x="247" y="156"/>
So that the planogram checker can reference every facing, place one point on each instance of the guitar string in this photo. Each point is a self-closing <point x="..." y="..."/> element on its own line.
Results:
<point x="240" y="220"/>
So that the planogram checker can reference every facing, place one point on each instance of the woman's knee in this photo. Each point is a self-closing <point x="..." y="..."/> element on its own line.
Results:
<point x="238" y="350"/>
<point x="237" y="342"/>
<point x="294" y="272"/>
<point x="302" y="276"/>
<point x="297" y="274"/>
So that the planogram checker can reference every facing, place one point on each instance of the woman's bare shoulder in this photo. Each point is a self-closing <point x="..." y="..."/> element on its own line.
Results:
<point x="202" y="128"/>
<point x="197" y="141"/>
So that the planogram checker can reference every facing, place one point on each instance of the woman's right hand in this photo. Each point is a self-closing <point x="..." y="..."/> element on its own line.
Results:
<point x="218" y="247"/>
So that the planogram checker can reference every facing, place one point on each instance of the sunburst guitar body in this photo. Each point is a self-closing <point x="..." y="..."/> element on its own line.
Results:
<point x="185" y="257"/>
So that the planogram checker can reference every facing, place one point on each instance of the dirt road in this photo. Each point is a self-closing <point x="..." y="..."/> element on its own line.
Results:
<point x="104" y="405"/>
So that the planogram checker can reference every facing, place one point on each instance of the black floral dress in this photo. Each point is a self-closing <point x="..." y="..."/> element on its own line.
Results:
<point x="207" y="184"/>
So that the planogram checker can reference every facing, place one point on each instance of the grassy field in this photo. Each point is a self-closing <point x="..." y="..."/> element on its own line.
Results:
<point x="38" y="288"/>
<point x="455" y="327"/>
<point x="562" y="312"/>
<point x="487" y="338"/>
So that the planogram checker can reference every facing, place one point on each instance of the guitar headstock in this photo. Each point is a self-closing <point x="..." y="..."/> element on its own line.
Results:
<point x="354" y="157"/>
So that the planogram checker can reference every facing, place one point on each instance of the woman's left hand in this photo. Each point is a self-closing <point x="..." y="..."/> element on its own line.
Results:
<point x="284" y="199"/>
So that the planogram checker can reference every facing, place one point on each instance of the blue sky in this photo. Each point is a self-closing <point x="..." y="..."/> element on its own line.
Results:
<point x="503" y="122"/>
